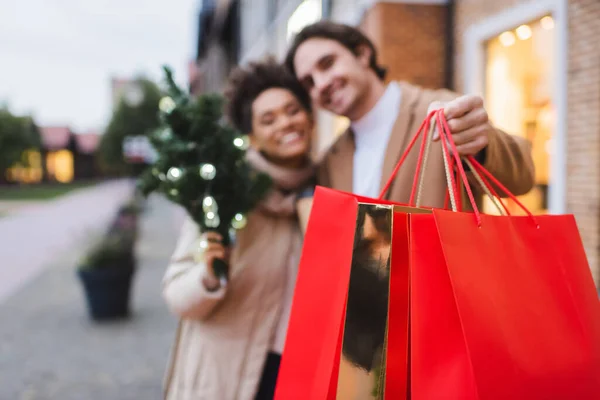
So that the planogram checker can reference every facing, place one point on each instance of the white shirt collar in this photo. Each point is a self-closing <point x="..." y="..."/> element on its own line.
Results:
<point x="375" y="126"/>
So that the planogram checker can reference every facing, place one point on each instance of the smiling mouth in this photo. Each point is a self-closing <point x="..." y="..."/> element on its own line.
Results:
<point x="290" y="138"/>
<point x="335" y="96"/>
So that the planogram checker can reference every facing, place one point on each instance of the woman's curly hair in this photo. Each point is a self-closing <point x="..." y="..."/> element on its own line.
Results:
<point x="245" y="84"/>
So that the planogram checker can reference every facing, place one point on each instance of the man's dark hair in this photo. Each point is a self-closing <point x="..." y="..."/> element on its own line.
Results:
<point x="245" y="84"/>
<point x="346" y="35"/>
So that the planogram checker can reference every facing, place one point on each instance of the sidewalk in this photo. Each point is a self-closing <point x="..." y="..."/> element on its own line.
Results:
<point x="49" y="349"/>
<point x="33" y="236"/>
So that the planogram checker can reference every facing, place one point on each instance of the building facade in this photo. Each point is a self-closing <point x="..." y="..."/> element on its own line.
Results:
<point x="538" y="67"/>
<point x="218" y="45"/>
<point x="535" y="62"/>
<point x="64" y="156"/>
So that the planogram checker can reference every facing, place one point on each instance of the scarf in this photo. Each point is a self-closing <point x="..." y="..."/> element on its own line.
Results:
<point x="281" y="200"/>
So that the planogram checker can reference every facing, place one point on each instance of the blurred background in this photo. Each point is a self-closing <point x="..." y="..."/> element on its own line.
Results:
<point x="80" y="84"/>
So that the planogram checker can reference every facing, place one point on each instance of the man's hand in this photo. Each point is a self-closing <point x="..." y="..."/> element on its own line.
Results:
<point x="468" y="123"/>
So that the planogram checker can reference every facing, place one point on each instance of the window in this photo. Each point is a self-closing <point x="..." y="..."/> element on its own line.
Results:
<point x="519" y="85"/>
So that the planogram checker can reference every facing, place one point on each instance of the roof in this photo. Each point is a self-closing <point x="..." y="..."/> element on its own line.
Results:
<point x="59" y="137"/>
<point x="87" y="143"/>
<point x="55" y="137"/>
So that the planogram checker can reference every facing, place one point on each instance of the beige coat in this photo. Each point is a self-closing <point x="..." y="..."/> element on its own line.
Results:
<point x="508" y="157"/>
<point x="224" y="337"/>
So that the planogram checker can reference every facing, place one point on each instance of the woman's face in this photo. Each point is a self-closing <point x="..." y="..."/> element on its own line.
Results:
<point x="281" y="127"/>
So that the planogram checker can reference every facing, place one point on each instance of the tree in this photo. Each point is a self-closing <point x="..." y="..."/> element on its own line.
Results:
<point x="17" y="134"/>
<point x="131" y="117"/>
<point x="201" y="165"/>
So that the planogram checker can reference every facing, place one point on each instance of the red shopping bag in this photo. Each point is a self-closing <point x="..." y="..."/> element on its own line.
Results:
<point x="311" y="360"/>
<point x="515" y="299"/>
<point x="480" y="307"/>
<point x="319" y="323"/>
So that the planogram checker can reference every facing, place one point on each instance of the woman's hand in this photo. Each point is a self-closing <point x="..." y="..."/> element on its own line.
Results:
<point x="211" y="248"/>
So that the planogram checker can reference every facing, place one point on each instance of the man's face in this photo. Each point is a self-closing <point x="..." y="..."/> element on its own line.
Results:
<point x="336" y="78"/>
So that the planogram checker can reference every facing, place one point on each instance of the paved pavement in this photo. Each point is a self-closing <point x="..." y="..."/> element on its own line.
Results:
<point x="49" y="349"/>
<point x="12" y="206"/>
<point x="32" y="236"/>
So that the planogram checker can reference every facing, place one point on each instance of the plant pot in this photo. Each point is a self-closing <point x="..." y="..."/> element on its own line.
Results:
<point x="107" y="290"/>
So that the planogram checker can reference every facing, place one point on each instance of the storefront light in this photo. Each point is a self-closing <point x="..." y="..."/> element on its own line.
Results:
<point x="547" y="22"/>
<point x="507" y="38"/>
<point x="524" y="32"/>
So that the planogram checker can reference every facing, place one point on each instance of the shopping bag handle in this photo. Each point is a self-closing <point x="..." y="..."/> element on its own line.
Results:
<point x="448" y="141"/>
<point x="482" y="175"/>
<point x="487" y="188"/>
<point x="453" y="190"/>
<point x="483" y="172"/>
<point x="429" y="125"/>
<point x="419" y="178"/>
<point x="424" y="127"/>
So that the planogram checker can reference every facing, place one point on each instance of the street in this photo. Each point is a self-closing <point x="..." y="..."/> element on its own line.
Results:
<point x="49" y="349"/>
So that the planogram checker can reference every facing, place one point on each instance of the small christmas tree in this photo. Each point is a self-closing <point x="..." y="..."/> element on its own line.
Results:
<point x="201" y="165"/>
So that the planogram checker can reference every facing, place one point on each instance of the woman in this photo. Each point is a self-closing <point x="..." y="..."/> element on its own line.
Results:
<point x="230" y="339"/>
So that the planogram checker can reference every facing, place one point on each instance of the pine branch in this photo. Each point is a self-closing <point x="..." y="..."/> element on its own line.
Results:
<point x="201" y="162"/>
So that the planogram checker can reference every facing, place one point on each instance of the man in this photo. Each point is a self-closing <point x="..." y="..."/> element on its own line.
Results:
<point x="337" y="64"/>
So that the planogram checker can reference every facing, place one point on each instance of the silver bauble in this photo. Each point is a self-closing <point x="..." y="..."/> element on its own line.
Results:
<point x="209" y="204"/>
<point x="212" y="220"/>
<point x="242" y="142"/>
<point x="208" y="172"/>
<point x="166" y="105"/>
<point x="239" y="221"/>
<point x="174" y="174"/>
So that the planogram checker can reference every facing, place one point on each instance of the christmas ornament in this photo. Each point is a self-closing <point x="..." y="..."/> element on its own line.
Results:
<point x="242" y="142"/>
<point x="166" y="105"/>
<point x="212" y="220"/>
<point x="194" y="137"/>
<point x="208" y="172"/>
<point x="209" y="204"/>
<point x="173" y="174"/>
<point x="239" y="221"/>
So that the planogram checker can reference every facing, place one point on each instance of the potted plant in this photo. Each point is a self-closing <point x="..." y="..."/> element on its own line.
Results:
<point x="107" y="270"/>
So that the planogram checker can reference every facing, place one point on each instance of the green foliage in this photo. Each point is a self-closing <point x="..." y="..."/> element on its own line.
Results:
<point x="129" y="120"/>
<point x="17" y="134"/>
<point x="194" y="134"/>
<point x="41" y="191"/>
<point x="115" y="249"/>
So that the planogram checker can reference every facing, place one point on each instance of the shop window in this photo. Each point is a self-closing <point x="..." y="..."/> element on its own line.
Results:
<point x="27" y="171"/>
<point x="59" y="165"/>
<point x="518" y="95"/>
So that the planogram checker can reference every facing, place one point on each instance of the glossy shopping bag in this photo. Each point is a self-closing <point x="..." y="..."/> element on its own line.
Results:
<point x="475" y="306"/>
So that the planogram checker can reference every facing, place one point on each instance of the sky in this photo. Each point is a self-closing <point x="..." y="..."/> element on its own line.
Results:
<point x="57" y="57"/>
